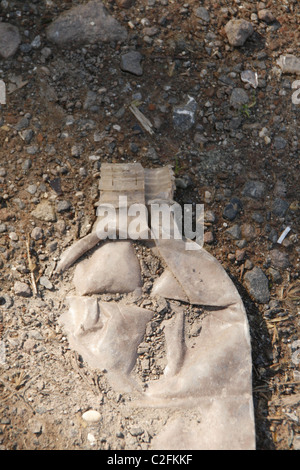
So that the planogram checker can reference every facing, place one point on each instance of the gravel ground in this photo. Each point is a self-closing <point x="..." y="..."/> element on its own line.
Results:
<point x="236" y="151"/>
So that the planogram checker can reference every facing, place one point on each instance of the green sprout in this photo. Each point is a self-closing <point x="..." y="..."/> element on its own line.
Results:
<point x="245" y="108"/>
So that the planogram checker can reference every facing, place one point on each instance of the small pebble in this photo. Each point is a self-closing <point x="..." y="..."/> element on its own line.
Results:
<point x="91" y="416"/>
<point x="44" y="281"/>
<point x="37" y="233"/>
<point x="63" y="206"/>
<point x="208" y="238"/>
<point x="258" y="285"/>
<point x="22" y="289"/>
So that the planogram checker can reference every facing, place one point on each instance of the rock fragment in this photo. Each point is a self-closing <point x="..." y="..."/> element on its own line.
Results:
<point x="280" y="207"/>
<point x="91" y="416"/>
<point x="131" y="62"/>
<point x="279" y="259"/>
<point x="9" y="40"/>
<point x="184" y="115"/>
<point x="251" y="77"/>
<point x="254" y="189"/>
<point x="85" y="24"/>
<point x="203" y="14"/>
<point x="258" y="285"/>
<point x="44" y="211"/>
<point x="22" y="289"/>
<point x="266" y="16"/>
<point x="238" y="98"/>
<point x="125" y="3"/>
<point x="238" y="31"/>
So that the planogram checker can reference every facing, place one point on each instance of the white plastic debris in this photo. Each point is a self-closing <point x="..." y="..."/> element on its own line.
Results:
<point x="289" y="63"/>
<point x="283" y="235"/>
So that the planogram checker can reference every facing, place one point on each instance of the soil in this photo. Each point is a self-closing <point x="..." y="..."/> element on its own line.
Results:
<point x="45" y="387"/>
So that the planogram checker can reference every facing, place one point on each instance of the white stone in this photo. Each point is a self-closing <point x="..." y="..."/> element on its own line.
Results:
<point x="91" y="416"/>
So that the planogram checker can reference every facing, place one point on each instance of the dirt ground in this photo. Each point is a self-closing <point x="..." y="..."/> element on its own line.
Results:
<point x="55" y="134"/>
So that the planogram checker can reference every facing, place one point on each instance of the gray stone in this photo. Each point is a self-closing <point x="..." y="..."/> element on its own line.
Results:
<point x="85" y="24"/>
<point x="248" y="264"/>
<point x="279" y="143"/>
<point x="76" y="149"/>
<point x="31" y="189"/>
<point x="37" y="233"/>
<point x="279" y="259"/>
<point x="27" y="135"/>
<point x="251" y="77"/>
<point x="136" y="431"/>
<point x="208" y="237"/>
<point x="22" y="289"/>
<point x="36" y="43"/>
<point x="280" y="189"/>
<point x="258" y="285"/>
<point x="63" y="206"/>
<point x="32" y="149"/>
<point x="9" y="40"/>
<point x="210" y="216"/>
<point x="275" y="275"/>
<point x="184" y="115"/>
<point x="254" y="189"/>
<point x="230" y="211"/>
<point x="248" y="231"/>
<point x="238" y="31"/>
<point x="131" y="62"/>
<point x="23" y="123"/>
<point x="203" y="14"/>
<point x="52" y="246"/>
<point x="235" y="232"/>
<point x="27" y="164"/>
<point x="35" y="426"/>
<point x="235" y="122"/>
<point x="238" y="98"/>
<point x="44" y="281"/>
<point x="44" y="211"/>
<point x="280" y="207"/>
<point x="13" y="236"/>
<point x="266" y="15"/>
<point x="257" y="217"/>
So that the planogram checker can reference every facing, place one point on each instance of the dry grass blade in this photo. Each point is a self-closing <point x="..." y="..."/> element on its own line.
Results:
<point x="292" y="292"/>
<point x="20" y="380"/>
<point x="13" y="391"/>
<point x="277" y="320"/>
